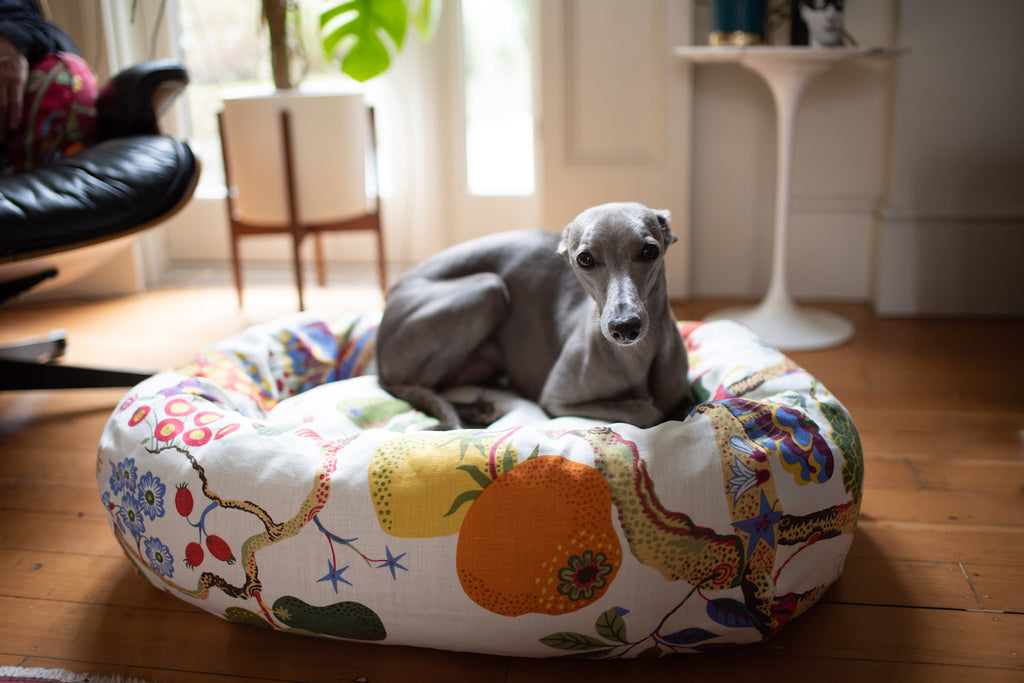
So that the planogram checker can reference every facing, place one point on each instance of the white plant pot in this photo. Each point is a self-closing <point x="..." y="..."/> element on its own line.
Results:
<point x="329" y="146"/>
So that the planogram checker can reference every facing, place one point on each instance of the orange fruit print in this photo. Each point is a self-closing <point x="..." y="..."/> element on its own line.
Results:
<point x="539" y="539"/>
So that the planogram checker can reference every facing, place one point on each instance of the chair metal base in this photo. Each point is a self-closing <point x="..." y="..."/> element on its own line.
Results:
<point x="30" y="364"/>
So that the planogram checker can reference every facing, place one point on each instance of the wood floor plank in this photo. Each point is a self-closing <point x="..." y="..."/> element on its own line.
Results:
<point x="911" y="635"/>
<point x="51" y="495"/>
<point x="940" y="585"/>
<point x="765" y="665"/>
<point x="70" y="461"/>
<point x="996" y="587"/>
<point x="1004" y="480"/>
<point x="945" y="507"/>
<point x="915" y="541"/>
<point x="82" y="579"/>
<point x="148" y="675"/>
<point x="890" y="473"/>
<point x="83" y="534"/>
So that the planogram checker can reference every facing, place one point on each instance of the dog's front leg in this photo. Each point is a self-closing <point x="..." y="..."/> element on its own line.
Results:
<point x="669" y="383"/>
<point x="635" y="411"/>
<point x="570" y="391"/>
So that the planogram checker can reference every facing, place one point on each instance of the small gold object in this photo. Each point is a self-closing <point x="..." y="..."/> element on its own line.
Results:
<point x="735" y="38"/>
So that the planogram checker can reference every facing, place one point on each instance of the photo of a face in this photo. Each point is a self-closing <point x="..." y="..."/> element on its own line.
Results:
<point x="818" y="23"/>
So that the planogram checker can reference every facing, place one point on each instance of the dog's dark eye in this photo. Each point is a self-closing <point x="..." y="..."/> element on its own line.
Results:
<point x="585" y="259"/>
<point x="649" y="252"/>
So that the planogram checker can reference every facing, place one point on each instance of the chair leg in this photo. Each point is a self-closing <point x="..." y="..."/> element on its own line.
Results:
<point x="321" y="270"/>
<point x="297" y="267"/>
<point x="12" y="288"/>
<point x="236" y="266"/>
<point x="236" y="263"/>
<point x="381" y="263"/>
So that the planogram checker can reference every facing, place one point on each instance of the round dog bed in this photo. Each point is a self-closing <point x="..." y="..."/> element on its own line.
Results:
<point x="273" y="483"/>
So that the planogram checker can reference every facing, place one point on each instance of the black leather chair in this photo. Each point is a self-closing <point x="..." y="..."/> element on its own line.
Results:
<point x="131" y="180"/>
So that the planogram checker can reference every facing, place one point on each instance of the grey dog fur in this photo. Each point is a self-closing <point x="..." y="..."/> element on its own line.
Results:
<point x="522" y="308"/>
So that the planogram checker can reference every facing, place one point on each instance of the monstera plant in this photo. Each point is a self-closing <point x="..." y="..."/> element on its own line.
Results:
<point x="363" y="36"/>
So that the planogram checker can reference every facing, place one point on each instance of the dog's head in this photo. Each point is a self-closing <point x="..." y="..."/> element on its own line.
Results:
<point x="617" y="252"/>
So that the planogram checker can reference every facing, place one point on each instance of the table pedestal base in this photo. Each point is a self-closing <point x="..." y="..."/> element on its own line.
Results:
<point x="789" y="327"/>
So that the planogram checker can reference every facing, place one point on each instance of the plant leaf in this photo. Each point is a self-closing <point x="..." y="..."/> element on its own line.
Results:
<point x="331" y="12"/>
<point x="366" y="59"/>
<point x="478" y="476"/>
<point x="653" y="652"/>
<point x="731" y="613"/>
<point x="391" y="16"/>
<point x="508" y="458"/>
<point x="426" y="17"/>
<point x="462" y="499"/>
<point x="358" y="41"/>
<point x="567" y="640"/>
<point x="612" y="626"/>
<point x="688" y="636"/>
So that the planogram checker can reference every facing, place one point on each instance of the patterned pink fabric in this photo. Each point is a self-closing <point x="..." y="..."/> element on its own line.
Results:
<point x="59" y="117"/>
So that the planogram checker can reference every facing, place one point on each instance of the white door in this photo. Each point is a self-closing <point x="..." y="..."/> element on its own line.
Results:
<point x="615" y="112"/>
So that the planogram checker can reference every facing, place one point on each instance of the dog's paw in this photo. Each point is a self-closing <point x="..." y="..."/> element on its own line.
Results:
<point x="478" y="413"/>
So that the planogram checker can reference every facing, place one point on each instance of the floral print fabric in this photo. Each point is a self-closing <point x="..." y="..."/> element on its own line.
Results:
<point x="59" y="114"/>
<point x="273" y="483"/>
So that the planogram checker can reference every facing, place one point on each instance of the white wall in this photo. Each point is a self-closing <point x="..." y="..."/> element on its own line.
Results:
<point x="951" y="236"/>
<point x="838" y="172"/>
<point x="616" y="109"/>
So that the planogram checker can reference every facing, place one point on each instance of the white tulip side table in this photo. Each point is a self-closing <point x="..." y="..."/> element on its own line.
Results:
<point x="786" y="70"/>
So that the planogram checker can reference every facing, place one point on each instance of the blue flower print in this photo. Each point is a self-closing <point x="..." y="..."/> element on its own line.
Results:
<point x="131" y="514"/>
<point x="392" y="563"/>
<point x="125" y="476"/>
<point x="151" y="495"/>
<point x="160" y="558"/>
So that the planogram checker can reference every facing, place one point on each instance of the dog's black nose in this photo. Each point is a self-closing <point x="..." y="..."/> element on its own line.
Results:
<point x="625" y="331"/>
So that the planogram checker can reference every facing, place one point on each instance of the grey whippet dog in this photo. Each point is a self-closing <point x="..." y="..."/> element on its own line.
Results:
<point x="595" y="338"/>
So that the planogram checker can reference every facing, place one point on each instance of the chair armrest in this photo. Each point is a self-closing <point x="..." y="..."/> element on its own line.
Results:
<point x="131" y="101"/>
<point x="116" y="187"/>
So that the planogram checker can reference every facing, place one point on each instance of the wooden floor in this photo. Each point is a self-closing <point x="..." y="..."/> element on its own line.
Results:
<point x="933" y="589"/>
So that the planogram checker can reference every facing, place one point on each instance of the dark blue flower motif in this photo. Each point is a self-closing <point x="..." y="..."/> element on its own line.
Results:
<point x="124" y="476"/>
<point x="160" y="558"/>
<point x="151" y="495"/>
<point x="392" y="563"/>
<point x="335" y="575"/>
<point x="130" y="513"/>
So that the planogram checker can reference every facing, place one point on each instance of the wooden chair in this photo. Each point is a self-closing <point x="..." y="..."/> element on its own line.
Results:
<point x="295" y="226"/>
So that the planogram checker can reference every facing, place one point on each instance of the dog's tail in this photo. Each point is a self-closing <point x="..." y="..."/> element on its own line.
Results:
<point x="428" y="401"/>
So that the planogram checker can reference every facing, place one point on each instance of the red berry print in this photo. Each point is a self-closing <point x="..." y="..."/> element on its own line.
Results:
<point x="219" y="548"/>
<point x="194" y="555"/>
<point x="183" y="500"/>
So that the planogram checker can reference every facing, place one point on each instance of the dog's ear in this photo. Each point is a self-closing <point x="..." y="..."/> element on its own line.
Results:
<point x="663" y="216"/>
<point x="563" y="244"/>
